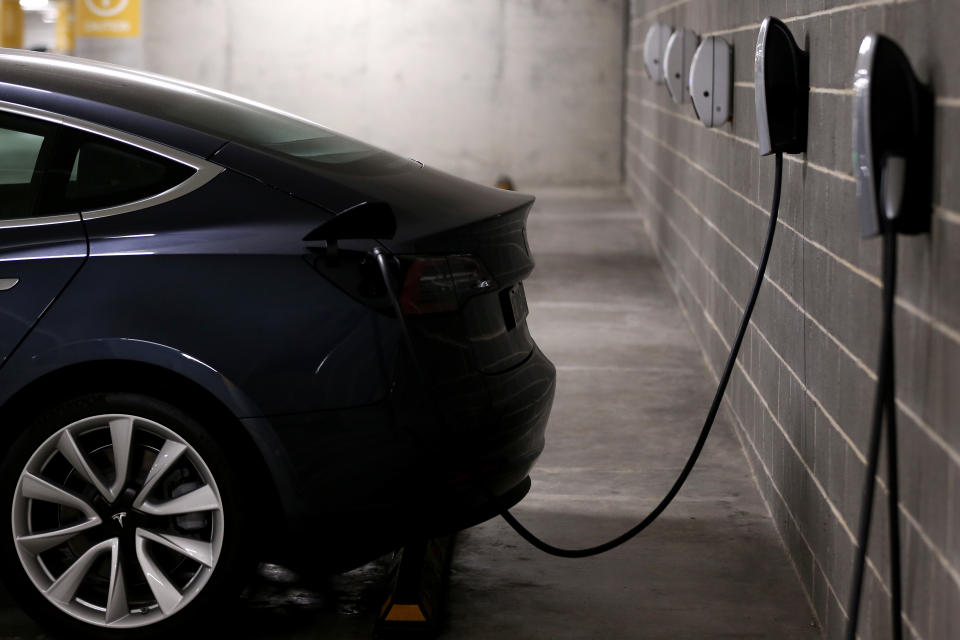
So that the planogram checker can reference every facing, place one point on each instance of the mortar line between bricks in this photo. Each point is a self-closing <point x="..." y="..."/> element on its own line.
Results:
<point x="873" y="568"/>
<point x="904" y="304"/>
<point x="740" y="431"/>
<point x="780" y="534"/>
<point x="826" y="90"/>
<point x="692" y="120"/>
<point x="856" y="360"/>
<point x="831" y="91"/>
<point x="833" y="422"/>
<point x="902" y="508"/>
<point x="826" y="497"/>
<point x="812" y="396"/>
<point x="703" y="353"/>
<point x="665" y="257"/>
<point x="837" y="515"/>
<point x="941" y="557"/>
<point x="944" y="213"/>
<point x="941" y="101"/>
<point x="751" y="143"/>
<point x="931" y="433"/>
<point x="836" y="425"/>
<point x="815" y="14"/>
<point x="947" y="215"/>
<point x="948" y="331"/>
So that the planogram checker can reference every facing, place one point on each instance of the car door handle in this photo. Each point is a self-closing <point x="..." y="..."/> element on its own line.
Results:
<point x="8" y="283"/>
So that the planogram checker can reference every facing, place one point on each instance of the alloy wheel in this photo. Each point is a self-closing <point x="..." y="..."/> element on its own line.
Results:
<point x="117" y="521"/>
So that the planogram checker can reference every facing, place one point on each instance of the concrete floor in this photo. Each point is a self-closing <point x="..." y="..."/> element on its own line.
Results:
<point x="633" y="390"/>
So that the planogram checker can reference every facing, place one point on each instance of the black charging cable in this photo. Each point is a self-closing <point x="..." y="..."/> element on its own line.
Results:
<point x="884" y="406"/>
<point x="525" y="533"/>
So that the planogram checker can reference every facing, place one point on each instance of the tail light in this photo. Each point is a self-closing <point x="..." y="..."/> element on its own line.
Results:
<point x="441" y="284"/>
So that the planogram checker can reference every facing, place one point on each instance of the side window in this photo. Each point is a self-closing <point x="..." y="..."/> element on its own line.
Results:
<point x="21" y="141"/>
<point x="107" y="174"/>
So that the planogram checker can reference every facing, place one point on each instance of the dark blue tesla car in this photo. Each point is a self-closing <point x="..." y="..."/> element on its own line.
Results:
<point x="200" y="362"/>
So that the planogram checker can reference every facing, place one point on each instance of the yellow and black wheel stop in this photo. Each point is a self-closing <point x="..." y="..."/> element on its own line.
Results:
<point x="419" y="581"/>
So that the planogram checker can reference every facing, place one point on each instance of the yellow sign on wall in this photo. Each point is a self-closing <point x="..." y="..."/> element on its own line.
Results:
<point x="64" y="32"/>
<point x="11" y="24"/>
<point x="107" y="18"/>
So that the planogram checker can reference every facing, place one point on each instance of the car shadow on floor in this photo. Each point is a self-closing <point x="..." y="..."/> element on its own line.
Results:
<point x="701" y="570"/>
<point x="687" y="576"/>
<point x="276" y="604"/>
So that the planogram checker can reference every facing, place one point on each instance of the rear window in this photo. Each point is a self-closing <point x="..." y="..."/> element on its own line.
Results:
<point x="269" y="129"/>
<point x="214" y="112"/>
<point x="107" y="174"/>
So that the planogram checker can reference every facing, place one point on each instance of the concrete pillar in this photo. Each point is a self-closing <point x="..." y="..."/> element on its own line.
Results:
<point x="109" y="30"/>
<point x="65" y="40"/>
<point x="11" y="24"/>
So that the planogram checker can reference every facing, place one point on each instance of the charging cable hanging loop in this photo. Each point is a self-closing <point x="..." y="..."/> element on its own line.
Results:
<point x="525" y="533"/>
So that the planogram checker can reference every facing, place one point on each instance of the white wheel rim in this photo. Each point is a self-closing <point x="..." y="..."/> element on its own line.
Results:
<point x="117" y="521"/>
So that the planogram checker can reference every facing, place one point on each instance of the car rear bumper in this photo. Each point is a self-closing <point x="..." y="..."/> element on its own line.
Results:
<point x="363" y="481"/>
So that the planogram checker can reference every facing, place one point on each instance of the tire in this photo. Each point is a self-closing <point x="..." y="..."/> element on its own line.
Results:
<point x="89" y="524"/>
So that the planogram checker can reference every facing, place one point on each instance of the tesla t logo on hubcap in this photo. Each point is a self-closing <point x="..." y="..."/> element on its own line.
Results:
<point x="119" y="517"/>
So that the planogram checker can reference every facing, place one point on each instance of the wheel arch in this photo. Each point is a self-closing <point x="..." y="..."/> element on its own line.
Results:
<point x="148" y="379"/>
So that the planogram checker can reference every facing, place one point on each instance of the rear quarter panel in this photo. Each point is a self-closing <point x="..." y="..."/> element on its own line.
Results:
<point x="220" y="277"/>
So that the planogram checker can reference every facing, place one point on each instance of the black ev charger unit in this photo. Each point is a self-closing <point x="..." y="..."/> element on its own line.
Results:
<point x="893" y="140"/>
<point x="893" y="145"/>
<point x="773" y="113"/>
<point x="781" y="77"/>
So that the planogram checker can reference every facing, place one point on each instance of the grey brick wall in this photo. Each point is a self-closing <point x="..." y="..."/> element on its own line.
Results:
<point x="802" y="391"/>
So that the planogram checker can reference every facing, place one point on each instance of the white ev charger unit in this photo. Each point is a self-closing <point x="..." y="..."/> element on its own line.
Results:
<point x="711" y="81"/>
<point x="653" y="50"/>
<point x="676" y="62"/>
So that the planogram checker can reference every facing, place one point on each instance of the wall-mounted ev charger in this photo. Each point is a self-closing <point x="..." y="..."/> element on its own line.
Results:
<point x="892" y="136"/>
<point x="676" y="63"/>
<point x="654" y="47"/>
<point x="711" y="81"/>
<point x="892" y="161"/>
<point x="781" y="77"/>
